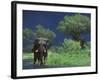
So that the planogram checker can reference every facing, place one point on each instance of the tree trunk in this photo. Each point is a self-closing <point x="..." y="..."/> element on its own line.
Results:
<point x="82" y="43"/>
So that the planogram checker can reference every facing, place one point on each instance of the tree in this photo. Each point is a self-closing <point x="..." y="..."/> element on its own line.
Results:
<point x="27" y="39"/>
<point x="44" y="33"/>
<point x="27" y="33"/>
<point x="75" y="25"/>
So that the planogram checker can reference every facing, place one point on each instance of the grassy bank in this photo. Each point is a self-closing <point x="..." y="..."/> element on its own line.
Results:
<point x="70" y="58"/>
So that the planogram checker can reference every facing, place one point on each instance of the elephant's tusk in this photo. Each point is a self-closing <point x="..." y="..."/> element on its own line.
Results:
<point x="44" y="50"/>
<point x="36" y="50"/>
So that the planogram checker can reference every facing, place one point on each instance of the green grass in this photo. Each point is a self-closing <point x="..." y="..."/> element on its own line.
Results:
<point x="27" y="56"/>
<point x="70" y="58"/>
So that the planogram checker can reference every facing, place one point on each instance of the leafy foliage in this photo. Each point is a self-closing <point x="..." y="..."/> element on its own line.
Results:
<point x="67" y="45"/>
<point x="43" y="32"/>
<point x="28" y="37"/>
<point x="27" y="33"/>
<point x="70" y="45"/>
<point x="70" y="59"/>
<point x="74" y="25"/>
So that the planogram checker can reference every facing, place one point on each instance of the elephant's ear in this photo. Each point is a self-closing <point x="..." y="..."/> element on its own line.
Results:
<point x="36" y="41"/>
<point x="36" y="50"/>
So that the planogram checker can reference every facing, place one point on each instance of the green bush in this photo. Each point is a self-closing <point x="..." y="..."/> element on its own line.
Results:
<point x="72" y="58"/>
<point x="70" y="45"/>
<point x="88" y="45"/>
<point x="67" y="45"/>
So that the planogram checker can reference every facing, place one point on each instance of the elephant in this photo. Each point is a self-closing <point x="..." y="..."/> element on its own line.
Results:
<point x="40" y="50"/>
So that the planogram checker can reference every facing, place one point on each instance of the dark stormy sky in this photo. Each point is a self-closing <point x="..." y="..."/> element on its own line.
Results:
<point x="48" y="20"/>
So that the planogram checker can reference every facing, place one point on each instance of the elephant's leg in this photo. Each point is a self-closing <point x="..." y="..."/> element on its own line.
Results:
<point x="45" y="57"/>
<point x="35" y="58"/>
<point x="41" y="63"/>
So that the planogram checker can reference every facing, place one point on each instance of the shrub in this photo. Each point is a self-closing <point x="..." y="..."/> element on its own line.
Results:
<point x="70" y="45"/>
<point x="88" y="45"/>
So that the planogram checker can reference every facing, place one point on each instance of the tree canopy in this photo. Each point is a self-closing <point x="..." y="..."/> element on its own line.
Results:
<point x="27" y="33"/>
<point x="74" y="25"/>
<point x="43" y="32"/>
